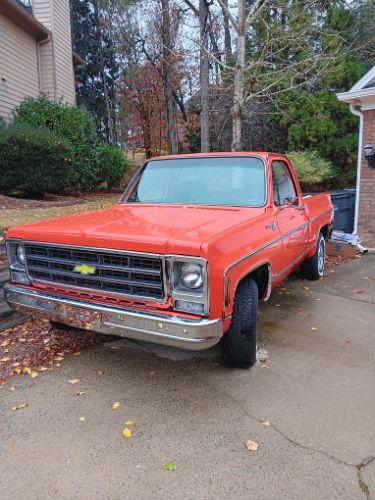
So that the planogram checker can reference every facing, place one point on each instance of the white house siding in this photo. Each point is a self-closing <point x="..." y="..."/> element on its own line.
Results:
<point x="63" y="51"/>
<point x="56" y="55"/>
<point x="18" y="66"/>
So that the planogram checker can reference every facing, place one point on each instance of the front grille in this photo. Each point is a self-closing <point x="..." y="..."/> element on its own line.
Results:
<point x="120" y="273"/>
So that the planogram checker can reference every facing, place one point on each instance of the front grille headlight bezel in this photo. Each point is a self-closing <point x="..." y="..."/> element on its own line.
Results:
<point x="182" y="295"/>
<point x="18" y="270"/>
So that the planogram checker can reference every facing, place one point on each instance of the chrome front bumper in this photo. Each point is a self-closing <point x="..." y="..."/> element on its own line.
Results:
<point x="174" y="331"/>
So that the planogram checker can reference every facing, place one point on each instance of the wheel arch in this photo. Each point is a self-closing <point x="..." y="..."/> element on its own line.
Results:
<point x="326" y="231"/>
<point x="262" y="275"/>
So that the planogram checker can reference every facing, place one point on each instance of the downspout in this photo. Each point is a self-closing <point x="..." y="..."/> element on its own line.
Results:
<point x="39" y="44"/>
<point x="356" y="112"/>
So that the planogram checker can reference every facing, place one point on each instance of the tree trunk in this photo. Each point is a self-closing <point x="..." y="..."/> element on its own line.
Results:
<point x="227" y="35"/>
<point x="204" y="77"/>
<point x="238" y="94"/>
<point x="102" y="72"/>
<point x="167" y="81"/>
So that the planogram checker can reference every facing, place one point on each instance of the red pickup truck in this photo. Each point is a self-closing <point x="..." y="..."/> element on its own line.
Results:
<point x="183" y="259"/>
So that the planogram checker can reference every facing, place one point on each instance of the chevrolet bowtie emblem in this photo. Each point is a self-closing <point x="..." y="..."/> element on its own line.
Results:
<point x="84" y="269"/>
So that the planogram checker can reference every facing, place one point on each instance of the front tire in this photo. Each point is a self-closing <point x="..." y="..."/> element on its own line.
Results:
<point x="313" y="268"/>
<point x="239" y="342"/>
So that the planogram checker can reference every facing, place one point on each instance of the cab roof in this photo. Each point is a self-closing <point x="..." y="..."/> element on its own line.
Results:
<point x="259" y="154"/>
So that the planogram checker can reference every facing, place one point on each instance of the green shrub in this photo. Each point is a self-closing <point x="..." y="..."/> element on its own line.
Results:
<point x="34" y="161"/>
<point x="76" y="124"/>
<point x="313" y="171"/>
<point x="93" y="163"/>
<point x="110" y="164"/>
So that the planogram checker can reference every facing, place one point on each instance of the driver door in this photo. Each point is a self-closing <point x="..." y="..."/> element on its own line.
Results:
<point x="290" y="216"/>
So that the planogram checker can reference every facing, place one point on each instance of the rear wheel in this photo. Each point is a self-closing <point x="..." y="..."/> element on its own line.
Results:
<point x="313" y="268"/>
<point x="239" y="343"/>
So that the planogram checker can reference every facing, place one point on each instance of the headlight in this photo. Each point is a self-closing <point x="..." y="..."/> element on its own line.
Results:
<point x="191" y="275"/>
<point x="21" y="254"/>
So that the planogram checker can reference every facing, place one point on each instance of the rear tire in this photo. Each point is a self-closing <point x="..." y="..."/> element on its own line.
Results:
<point x="313" y="268"/>
<point x="239" y="342"/>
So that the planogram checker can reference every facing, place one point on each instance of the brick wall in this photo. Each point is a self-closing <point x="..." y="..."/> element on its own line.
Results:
<point x="367" y="199"/>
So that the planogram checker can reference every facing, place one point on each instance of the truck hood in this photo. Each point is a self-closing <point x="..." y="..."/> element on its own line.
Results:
<point x="162" y="229"/>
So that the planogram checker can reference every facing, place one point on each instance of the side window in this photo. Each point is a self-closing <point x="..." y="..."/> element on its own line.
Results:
<point x="283" y="187"/>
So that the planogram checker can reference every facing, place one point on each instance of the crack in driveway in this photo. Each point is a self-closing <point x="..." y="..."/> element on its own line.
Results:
<point x="358" y="467"/>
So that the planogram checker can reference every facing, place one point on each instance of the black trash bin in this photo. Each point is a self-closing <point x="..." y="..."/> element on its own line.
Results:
<point x="343" y="203"/>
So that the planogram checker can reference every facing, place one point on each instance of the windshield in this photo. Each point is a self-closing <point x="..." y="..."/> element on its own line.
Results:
<point x="233" y="181"/>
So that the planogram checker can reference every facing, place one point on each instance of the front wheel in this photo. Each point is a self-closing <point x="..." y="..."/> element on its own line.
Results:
<point x="240" y="341"/>
<point x="313" y="268"/>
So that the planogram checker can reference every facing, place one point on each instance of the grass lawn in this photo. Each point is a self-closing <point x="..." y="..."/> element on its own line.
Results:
<point x="14" y="217"/>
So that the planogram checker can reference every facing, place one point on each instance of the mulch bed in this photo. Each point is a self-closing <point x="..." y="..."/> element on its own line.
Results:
<point x="36" y="346"/>
<point x="49" y="201"/>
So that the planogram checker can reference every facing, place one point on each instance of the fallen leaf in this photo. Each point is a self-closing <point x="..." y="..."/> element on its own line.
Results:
<point x="13" y="388"/>
<point x="114" y="347"/>
<point x="100" y="373"/>
<point x="59" y="358"/>
<point x="251" y="445"/>
<point x="4" y="360"/>
<point x="262" y="364"/>
<point x="4" y="343"/>
<point x="80" y="393"/>
<point x="129" y="422"/>
<point x="170" y="467"/>
<point x="73" y="381"/>
<point x="313" y="328"/>
<point x="77" y="353"/>
<point x="45" y="341"/>
<point x="81" y="419"/>
<point x="43" y="369"/>
<point x="116" y="405"/>
<point x="17" y="370"/>
<point x="267" y="423"/>
<point x="20" y="407"/>
<point x="126" y="432"/>
<point x="33" y="374"/>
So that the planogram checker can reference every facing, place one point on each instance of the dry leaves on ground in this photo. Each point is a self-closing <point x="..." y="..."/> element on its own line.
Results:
<point x="171" y="467"/>
<point x="251" y="445"/>
<point x="35" y="346"/>
<point x="126" y="432"/>
<point x="20" y="407"/>
<point x="74" y="381"/>
<point x="116" y="405"/>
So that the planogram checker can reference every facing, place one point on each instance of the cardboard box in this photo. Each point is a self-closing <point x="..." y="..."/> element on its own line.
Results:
<point x="337" y="248"/>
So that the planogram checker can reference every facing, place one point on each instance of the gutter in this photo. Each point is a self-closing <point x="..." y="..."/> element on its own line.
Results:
<point x="39" y="44"/>
<point x="356" y="112"/>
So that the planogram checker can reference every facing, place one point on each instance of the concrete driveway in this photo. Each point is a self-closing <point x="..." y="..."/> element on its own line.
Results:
<point x="316" y="388"/>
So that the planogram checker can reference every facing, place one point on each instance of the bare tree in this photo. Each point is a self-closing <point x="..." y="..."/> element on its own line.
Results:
<point x="204" y="77"/>
<point x="292" y="51"/>
<point x="167" y="79"/>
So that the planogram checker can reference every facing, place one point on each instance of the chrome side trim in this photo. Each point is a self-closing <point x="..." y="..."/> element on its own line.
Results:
<point x="321" y="215"/>
<point x="266" y="245"/>
<point x="175" y="331"/>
